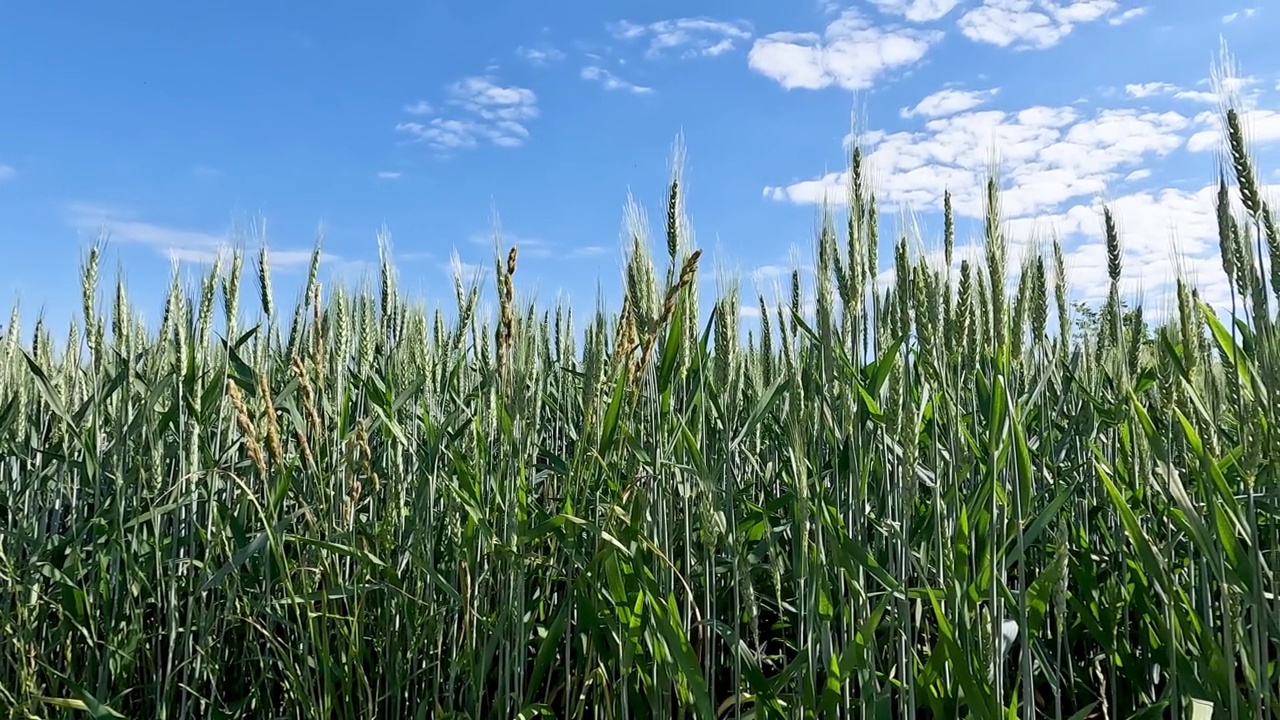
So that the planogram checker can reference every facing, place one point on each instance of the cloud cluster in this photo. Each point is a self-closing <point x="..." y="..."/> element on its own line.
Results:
<point x="480" y="110"/>
<point x="918" y="11"/>
<point x="852" y="53"/>
<point x="1049" y="155"/>
<point x="691" y="37"/>
<point x="1036" y="24"/>
<point x="1058" y="165"/>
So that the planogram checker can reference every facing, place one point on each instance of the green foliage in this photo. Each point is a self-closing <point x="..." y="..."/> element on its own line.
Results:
<point x="916" y="501"/>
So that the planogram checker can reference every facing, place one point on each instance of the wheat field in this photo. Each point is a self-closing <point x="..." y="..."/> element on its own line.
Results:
<point x="938" y="497"/>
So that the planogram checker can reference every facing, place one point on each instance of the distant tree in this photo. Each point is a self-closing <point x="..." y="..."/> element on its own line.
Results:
<point x="1088" y="323"/>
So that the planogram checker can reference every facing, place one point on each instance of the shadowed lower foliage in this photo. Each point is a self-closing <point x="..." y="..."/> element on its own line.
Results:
<point x="925" y="500"/>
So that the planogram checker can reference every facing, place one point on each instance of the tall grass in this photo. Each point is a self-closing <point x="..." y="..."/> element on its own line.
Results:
<point x="931" y="499"/>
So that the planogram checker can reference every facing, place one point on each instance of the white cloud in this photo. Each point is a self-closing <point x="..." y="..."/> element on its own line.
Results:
<point x="1200" y="96"/>
<point x="1049" y="156"/>
<point x="1144" y="90"/>
<point x="7" y="172"/>
<point x="1127" y="15"/>
<point x="1246" y="13"/>
<point x="694" y="37"/>
<point x="1025" y="24"/>
<point x="949" y="102"/>
<point x="920" y="11"/>
<point x="610" y="81"/>
<point x="588" y="251"/>
<point x="1233" y="86"/>
<point x="1160" y="230"/>
<point x="465" y="272"/>
<point x="1260" y="127"/>
<point x="488" y="111"/>
<point x="540" y="55"/>
<point x="182" y="245"/>
<point x="528" y="247"/>
<point x="1058" y="166"/>
<point x="389" y="175"/>
<point x="852" y="53"/>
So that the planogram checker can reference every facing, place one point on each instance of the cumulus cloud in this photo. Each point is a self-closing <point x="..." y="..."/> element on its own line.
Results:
<point x="1261" y="127"/>
<point x="1162" y="232"/>
<point x="852" y="53"/>
<point x="1057" y="168"/>
<point x="1038" y="24"/>
<point x="478" y="109"/>
<point x="595" y="73"/>
<point x="690" y="37"/>
<point x="919" y="11"/>
<point x="949" y="102"/>
<point x="1049" y="154"/>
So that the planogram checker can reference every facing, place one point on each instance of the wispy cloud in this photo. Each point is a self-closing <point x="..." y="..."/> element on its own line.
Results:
<point x="183" y="245"/>
<point x="528" y="247"/>
<point x="421" y="107"/>
<point x="1234" y="86"/>
<point x="1246" y="13"/>
<point x="588" y="251"/>
<point x="389" y="175"/>
<point x="464" y="272"/>
<point x="534" y="247"/>
<point x="610" y="81"/>
<point x="1144" y="90"/>
<point x="540" y="55"/>
<point x="7" y="172"/>
<point x="1127" y="15"/>
<point x="949" y="102"/>
<point x="691" y="37"/>
<point x="482" y="110"/>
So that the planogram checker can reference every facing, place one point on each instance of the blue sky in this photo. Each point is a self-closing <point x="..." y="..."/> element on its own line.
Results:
<point x="171" y="123"/>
